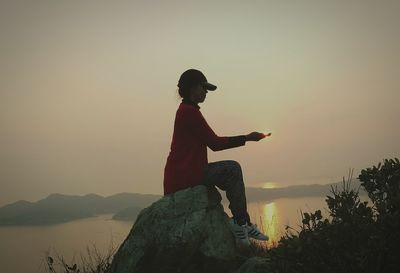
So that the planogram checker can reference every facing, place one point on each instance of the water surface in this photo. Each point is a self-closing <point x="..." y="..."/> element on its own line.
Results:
<point x="23" y="248"/>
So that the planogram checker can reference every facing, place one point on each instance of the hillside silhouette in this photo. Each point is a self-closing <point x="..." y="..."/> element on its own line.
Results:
<point x="60" y="208"/>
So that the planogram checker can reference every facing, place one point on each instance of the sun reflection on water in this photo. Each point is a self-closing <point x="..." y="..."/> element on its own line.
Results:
<point x="269" y="185"/>
<point x="270" y="223"/>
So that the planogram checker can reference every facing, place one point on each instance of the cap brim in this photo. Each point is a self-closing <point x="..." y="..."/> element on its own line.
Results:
<point x="209" y="86"/>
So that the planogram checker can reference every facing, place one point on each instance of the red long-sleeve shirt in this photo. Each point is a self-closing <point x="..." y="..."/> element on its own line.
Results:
<point x="188" y="156"/>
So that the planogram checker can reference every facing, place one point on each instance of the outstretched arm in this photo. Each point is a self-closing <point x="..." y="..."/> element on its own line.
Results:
<point x="194" y="121"/>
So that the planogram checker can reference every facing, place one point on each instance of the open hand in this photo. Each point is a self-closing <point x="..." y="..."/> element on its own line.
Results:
<point x="256" y="136"/>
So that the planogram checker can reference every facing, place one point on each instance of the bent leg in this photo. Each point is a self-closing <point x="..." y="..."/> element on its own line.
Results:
<point x="227" y="175"/>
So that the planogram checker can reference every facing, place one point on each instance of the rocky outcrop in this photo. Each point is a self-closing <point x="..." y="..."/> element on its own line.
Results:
<point x="254" y="265"/>
<point x="187" y="231"/>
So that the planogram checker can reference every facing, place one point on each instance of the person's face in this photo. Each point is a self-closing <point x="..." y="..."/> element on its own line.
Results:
<point x="198" y="93"/>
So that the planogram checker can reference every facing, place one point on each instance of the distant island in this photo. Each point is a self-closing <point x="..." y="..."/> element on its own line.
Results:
<point x="261" y="194"/>
<point x="59" y="208"/>
<point x="128" y="214"/>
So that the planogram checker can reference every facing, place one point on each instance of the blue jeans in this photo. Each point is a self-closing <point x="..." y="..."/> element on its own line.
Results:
<point x="227" y="175"/>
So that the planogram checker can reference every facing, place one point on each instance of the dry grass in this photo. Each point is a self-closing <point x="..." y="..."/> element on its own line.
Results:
<point x="92" y="261"/>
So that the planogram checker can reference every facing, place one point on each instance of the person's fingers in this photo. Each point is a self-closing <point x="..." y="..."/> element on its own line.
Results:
<point x="260" y="136"/>
<point x="257" y="136"/>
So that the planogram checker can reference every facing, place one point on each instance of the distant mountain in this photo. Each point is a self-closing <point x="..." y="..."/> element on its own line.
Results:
<point x="260" y="194"/>
<point x="128" y="214"/>
<point x="59" y="208"/>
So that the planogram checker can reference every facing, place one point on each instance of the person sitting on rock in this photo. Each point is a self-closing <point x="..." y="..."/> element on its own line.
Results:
<point x="187" y="164"/>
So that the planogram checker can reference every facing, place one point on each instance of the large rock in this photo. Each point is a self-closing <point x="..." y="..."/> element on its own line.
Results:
<point x="187" y="231"/>
<point x="255" y="265"/>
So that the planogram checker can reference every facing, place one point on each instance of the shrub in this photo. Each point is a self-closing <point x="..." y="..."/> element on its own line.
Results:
<point x="356" y="237"/>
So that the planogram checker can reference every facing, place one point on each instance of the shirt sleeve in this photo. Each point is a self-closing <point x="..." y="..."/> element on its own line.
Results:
<point x="195" y="123"/>
<point x="236" y="141"/>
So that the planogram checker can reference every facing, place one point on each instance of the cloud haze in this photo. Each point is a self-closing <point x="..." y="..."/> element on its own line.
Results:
<point x="88" y="89"/>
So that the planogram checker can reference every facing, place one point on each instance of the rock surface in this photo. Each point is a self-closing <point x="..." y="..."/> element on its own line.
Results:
<point x="254" y="265"/>
<point x="187" y="231"/>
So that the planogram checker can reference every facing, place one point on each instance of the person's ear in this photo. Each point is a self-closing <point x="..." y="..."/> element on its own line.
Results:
<point x="193" y="89"/>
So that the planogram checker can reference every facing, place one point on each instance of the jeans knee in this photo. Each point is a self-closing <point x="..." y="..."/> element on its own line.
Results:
<point x="235" y="168"/>
<point x="235" y="165"/>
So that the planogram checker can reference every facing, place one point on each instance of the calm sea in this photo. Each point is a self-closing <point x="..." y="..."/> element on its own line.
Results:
<point x="23" y="248"/>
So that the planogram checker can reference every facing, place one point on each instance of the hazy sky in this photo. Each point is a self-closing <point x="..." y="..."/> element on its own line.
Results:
<point x="88" y="89"/>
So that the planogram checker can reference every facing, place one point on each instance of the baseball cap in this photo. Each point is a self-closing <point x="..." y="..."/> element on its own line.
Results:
<point x="193" y="77"/>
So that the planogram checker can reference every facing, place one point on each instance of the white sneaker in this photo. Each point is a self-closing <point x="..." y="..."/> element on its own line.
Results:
<point x="240" y="232"/>
<point x="255" y="233"/>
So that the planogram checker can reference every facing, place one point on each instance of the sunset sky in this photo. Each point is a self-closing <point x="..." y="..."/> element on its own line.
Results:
<point x="88" y="89"/>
